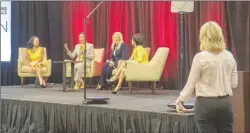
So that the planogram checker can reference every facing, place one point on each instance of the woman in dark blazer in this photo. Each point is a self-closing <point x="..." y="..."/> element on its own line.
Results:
<point x="119" y="52"/>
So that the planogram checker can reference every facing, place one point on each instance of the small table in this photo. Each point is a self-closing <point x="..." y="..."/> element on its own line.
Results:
<point x="64" y="72"/>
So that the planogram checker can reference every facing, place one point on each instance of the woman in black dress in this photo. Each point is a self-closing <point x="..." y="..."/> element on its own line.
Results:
<point x="119" y="52"/>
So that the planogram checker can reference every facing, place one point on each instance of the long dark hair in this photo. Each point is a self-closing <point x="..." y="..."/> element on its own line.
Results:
<point x="31" y="41"/>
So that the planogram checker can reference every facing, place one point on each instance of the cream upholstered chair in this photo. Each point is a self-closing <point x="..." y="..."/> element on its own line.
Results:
<point x="94" y="69"/>
<point x="147" y="72"/>
<point x="24" y="70"/>
<point x="148" y="49"/>
<point x="123" y="61"/>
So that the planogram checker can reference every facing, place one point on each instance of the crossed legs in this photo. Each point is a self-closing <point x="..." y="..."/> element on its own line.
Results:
<point x="120" y="75"/>
<point x="120" y="80"/>
<point x="37" y="70"/>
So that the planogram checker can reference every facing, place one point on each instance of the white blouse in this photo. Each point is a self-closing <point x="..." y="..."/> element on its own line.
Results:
<point x="211" y="75"/>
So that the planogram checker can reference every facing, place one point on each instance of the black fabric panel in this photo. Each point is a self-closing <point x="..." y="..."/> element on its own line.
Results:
<point x="239" y="31"/>
<point x="36" y="117"/>
<point x="30" y="18"/>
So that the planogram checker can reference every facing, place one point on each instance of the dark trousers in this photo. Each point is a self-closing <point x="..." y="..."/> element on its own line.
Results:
<point x="214" y="115"/>
<point x="106" y="73"/>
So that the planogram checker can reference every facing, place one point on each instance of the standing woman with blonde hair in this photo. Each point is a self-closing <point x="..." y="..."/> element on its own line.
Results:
<point x="118" y="52"/>
<point x="213" y="75"/>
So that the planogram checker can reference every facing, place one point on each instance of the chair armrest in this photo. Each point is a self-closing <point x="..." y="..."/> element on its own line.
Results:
<point x="140" y="72"/>
<point x="49" y="66"/>
<point x="96" y="68"/>
<point x="68" y="65"/>
<point x="19" y="66"/>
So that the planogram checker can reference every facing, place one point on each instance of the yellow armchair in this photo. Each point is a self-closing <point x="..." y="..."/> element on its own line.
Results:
<point x="94" y="69"/>
<point x="24" y="70"/>
<point x="147" y="72"/>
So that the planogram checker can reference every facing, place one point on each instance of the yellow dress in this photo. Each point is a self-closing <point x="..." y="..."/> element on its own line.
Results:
<point x="140" y="55"/>
<point x="82" y="53"/>
<point x="35" y="57"/>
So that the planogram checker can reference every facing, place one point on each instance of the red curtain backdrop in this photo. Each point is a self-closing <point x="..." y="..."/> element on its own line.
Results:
<point x="152" y="19"/>
<point x="164" y="34"/>
<point x="79" y="11"/>
<point x="60" y="22"/>
<point x="121" y="19"/>
<point x="214" y="11"/>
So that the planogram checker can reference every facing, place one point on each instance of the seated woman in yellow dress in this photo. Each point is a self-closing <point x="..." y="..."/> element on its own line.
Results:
<point x="139" y="55"/>
<point x="35" y="55"/>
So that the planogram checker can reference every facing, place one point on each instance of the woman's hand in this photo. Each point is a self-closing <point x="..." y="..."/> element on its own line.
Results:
<point x="111" y="63"/>
<point x="66" y="47"/>
<point x="33" y="63"/>
<point x="179" y="107"/>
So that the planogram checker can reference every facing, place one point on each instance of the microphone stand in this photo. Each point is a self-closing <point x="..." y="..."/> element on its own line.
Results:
<point x="96" y="100"/>
<point x="181" y="49"/>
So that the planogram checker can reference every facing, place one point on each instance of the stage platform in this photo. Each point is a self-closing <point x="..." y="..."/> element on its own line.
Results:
<point x="36" y="110"/>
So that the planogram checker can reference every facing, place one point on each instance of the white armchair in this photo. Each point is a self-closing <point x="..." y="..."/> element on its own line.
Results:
<point x="94" y="69"/>
<point x="147" y="72"/>
<point x="24" y="70"/>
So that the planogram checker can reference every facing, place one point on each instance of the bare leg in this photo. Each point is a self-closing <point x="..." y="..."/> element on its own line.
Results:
<point x="118" y="73"/>
<point x="39" y="75"/>
<point x="121" y="78"/>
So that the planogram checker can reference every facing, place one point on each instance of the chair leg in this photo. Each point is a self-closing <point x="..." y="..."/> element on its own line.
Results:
<point x="138" y="85"/>
<point x="154" y="88"/>
<point x="130" y="87"/>
<point x="37" y="81"/>
<point x="22" y="82"/>
<point x="46" y="79"/>
<point x="69" y="82"/>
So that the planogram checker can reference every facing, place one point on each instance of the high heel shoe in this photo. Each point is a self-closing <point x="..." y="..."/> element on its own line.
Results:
<point x="42" y="85"/>
<point x="109" y="81"/>
<point x="115" y="90"/>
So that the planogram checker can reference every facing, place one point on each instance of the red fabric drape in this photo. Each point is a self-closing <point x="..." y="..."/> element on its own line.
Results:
<point x="152" y="19"/>
<point x="214" y="11"/>
<point x="121" y="19"/>
<point x="79" y="11"/>
<point x="164" y="34"/>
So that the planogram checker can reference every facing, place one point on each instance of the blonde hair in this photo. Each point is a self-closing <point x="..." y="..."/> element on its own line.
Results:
<point x="119" y="34"/>
<point x="211" y="38"/>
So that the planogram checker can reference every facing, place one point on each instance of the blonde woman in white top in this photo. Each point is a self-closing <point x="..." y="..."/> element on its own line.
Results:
<point x="213" y="75"/>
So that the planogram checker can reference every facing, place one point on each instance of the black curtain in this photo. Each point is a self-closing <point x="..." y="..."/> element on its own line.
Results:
<point x="40" y="18"/>
<point x="234" y="19"/>
<point x="238" y="19"/>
